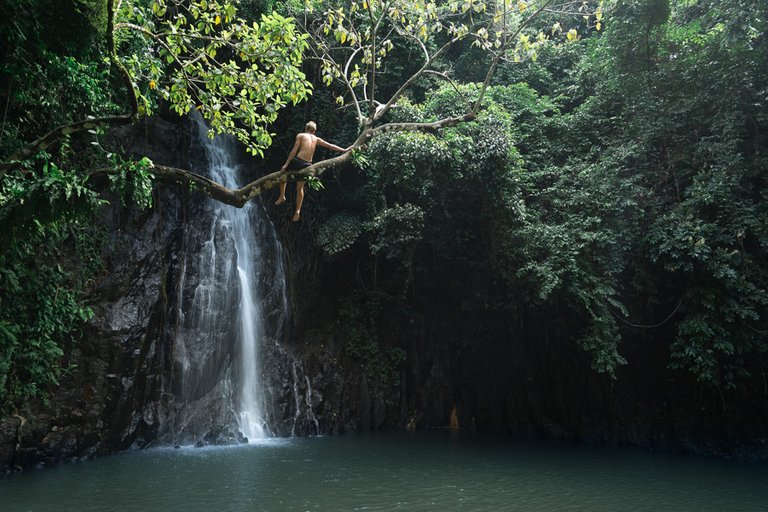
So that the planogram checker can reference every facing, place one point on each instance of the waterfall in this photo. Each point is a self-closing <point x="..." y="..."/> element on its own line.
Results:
<point x="231" y="291"/>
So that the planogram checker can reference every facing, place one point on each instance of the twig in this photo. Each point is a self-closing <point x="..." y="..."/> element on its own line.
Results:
<point x="5" y="114"/>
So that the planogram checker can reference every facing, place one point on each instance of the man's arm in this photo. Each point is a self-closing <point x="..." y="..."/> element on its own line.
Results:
<point x="328" y="145"/>
<point x="293" y="152"/>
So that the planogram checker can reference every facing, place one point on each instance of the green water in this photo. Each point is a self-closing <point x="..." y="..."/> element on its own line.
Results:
<point x="430" y="471"/>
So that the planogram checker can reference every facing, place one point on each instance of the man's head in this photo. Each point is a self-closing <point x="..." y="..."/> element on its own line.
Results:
<point x="310" y="127"/>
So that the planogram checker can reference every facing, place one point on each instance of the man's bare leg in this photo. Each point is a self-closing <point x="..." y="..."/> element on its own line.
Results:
<point x="281" y="198"/>
<point x="299" y="200"/>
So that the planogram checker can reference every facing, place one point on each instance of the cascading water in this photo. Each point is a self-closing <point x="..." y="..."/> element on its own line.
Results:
<point x="232" y="289"/>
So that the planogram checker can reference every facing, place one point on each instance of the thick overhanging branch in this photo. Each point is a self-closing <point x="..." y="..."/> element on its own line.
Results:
<point x="240" y="196"/>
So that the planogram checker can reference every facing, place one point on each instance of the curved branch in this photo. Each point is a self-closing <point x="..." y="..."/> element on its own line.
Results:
<point x="497" y="58"/>
<point x="327" y="57"/>
<point x="421" y="44"/>
<point x="57" y="134"/>
<point x="239" y="197"/>
<point x="126" y="76"/>
<point x="352" y="89"/>
<point x="445" y="77"/>
<point x="324" y="55"/>
<point x="383" y="110"/>
<point x="349" y="61"/>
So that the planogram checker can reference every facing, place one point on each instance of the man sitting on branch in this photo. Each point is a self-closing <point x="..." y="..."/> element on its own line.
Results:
<point x="299" y="158"/>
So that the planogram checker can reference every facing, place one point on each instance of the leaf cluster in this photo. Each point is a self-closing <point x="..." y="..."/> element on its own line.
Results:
<point x="200" y="55"/>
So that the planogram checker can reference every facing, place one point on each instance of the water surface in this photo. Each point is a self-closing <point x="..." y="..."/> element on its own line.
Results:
<point x="426" y="471"/>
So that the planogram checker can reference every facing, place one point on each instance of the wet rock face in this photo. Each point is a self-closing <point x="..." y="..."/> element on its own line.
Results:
<point x="147" y="370"/>
<point x="295" y="403"/>
<point x="147" y="373"/>
<point x="114" y="398"/>
<point x="110" y="401"/>
<point x="196" y="391"/>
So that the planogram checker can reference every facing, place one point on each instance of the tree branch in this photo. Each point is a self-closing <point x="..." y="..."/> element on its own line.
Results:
<point x="160" y="41"/>
<point x="57" y="134"/>
<point x="324" y="55"/>
<point x="422" y="127"/>
<point x="132" y="97"/>
<point x="444" y="76"/>
<point x="239" y="197"/>
<point x="352" y="89"/>
<point x="383" y="110"/>
<point x="374" y="29"/>
<point x="497" y="58"/>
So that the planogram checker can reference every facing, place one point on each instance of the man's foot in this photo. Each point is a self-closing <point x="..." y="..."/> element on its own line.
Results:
<point x="296" y="215"/>
<point x="280" y="200"/>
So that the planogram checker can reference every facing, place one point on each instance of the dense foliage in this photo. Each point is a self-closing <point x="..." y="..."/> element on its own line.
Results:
<point x="118" y="61"/>
<point x="72" y="69"/>
<point x="610" y="185"/>
<point x="613" y="188"/>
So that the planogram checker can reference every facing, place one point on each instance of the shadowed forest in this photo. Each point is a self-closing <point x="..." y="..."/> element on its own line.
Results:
<point x="555" y="214"/>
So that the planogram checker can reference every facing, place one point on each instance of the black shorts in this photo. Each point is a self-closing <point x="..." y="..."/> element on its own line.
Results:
<point x="297" y="164"/>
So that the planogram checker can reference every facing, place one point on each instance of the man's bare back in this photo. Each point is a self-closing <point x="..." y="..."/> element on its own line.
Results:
<point x="307" y="144"/>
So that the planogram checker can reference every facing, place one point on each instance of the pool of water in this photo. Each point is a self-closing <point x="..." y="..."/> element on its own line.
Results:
<point x="425" y="471"/>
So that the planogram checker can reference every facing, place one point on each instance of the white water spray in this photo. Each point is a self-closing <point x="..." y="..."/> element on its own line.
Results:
<point x="237" y="225"/>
